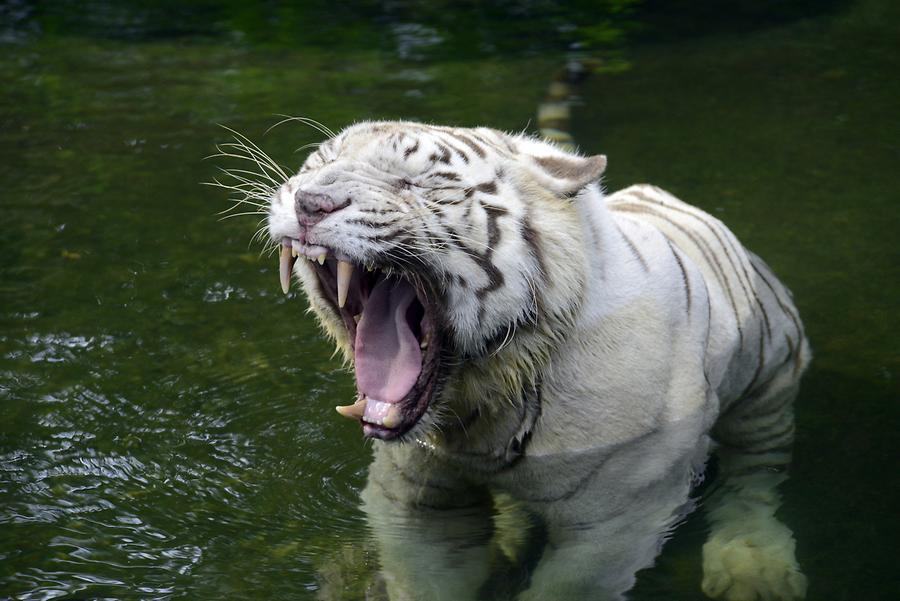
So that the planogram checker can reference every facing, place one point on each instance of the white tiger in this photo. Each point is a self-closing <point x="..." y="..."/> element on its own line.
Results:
<point x="517" y="335"/>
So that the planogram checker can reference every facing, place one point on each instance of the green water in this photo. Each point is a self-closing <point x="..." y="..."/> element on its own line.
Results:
<point x="166" y="421"/>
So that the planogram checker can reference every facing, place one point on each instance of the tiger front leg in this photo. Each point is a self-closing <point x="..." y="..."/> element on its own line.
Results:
<point x="617" y="520"/>
<point x="750" y="554"/>
<point x="432" y="531"/>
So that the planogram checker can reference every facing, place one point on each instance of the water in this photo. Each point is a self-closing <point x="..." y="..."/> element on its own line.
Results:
<point x="167" y="422"/>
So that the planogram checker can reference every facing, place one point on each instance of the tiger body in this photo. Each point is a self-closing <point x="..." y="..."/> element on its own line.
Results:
<point x="580" y="355"/>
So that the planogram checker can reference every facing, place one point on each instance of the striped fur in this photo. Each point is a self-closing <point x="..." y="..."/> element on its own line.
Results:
<point x="596" y="349"/>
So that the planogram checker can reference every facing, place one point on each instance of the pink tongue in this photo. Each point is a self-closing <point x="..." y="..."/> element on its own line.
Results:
<point x="388" y="358"/>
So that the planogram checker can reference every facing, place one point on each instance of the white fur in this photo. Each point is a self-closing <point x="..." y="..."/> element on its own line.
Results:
<point x="648" y="322"/>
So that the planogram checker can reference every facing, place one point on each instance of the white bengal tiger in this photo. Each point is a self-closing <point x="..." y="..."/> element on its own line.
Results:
<point x="516" y="335"/>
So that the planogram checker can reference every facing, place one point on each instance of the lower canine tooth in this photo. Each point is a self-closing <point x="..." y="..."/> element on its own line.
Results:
<point x="354" y="411"/>
<point x="392" y="419"/>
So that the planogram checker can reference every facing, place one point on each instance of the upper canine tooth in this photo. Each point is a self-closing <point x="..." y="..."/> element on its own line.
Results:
<point x="322" y="259"/>
<point x="285" y="265"/>
<point x="344" y="272"/>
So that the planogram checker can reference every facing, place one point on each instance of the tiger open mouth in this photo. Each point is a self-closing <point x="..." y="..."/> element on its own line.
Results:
<point x="392" y="326"/>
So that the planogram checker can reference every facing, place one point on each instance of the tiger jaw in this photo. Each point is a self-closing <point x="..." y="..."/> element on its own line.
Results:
<point x="392" y="329"/>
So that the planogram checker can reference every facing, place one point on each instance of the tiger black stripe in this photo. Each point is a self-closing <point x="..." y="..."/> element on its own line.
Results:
<point x="715" y="229"/>
<point x="761" y="361"/>
<point x="365" y="222"/>
<point x="422" y="483"/>
<point x="768" y="410"/>
<point x="445" y="136"/>
<point x="598" y="464"/>
<point x="715" y="226"/>
<point x="505" y="149"/>
<point x="785" y="309"/>
<point x="791" y="349"/>
<point x="476" y="148"/>
<point x="784" y="449"/>
<point x="532" y="239"/>
<point x="484" y="188"/>
<point x="451" y="199"/>
<point x="763" y="468"/>
<point x="444" y="156"/>
<point x="684" y="276"/>
<point x="420" y="502"/>
<point x="390" y="235"/>
<point x="483" y="260"/>
<point x="377" y="211"/>
<point x="752" y="429"/>
<point x="779" y="437"/>
<point x="411" y="150"/>
<point x="703" y="247"/>
<point x="495" y="278"/>
<point x="493" y="460"/>
<point x="637" y="254"/>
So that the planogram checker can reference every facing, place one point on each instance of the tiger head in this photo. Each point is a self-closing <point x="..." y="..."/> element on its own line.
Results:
<point x="445" y="263"/>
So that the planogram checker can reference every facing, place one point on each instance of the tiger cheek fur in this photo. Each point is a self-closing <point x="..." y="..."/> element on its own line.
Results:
<point x="579" y="353"/>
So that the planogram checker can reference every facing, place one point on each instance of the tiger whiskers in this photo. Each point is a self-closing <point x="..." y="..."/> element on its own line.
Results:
<point x="243" y="193"/>
<point x="253" y="154"/>
<point x="305" y="146"/>
<point x="510" y="333"/>
<point x="459" y="420"/>
<point x="317" y="125"/>
<point x="250" y="188"/>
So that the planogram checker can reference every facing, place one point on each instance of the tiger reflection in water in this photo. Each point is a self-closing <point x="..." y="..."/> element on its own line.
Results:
<point x="524" y="344"/>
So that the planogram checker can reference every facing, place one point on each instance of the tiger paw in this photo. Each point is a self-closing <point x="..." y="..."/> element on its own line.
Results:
<point x="752" y="565"/>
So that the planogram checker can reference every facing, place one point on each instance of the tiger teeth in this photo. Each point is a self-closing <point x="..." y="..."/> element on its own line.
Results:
<point x="344" y="273"/>
<point x="285" y="265"/>
<point x="381" y="413"/>
<point x="354" y="411"/>
<point x="392" y="419"/>
<point x="321" y="259"/>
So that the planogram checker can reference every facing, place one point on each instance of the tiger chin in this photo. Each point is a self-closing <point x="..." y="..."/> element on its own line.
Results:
<point x="517" y="334"/>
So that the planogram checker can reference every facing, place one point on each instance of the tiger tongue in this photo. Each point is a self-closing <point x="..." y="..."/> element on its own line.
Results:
<point x="387" y="355"/>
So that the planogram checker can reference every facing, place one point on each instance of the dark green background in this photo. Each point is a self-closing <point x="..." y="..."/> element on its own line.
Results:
<point x="166" y="421"/>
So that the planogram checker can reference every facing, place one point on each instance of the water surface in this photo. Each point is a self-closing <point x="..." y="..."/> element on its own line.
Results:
<point x="167" y="415"/>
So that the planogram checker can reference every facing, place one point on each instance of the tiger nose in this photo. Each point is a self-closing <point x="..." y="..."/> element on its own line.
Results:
<point x="311" y="205"/>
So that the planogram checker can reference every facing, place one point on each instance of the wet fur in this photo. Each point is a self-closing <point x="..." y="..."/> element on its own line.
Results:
<point x="628" y="336"/>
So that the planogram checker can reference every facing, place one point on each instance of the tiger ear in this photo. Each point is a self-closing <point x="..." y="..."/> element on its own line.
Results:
<point x="566" y="175"/>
